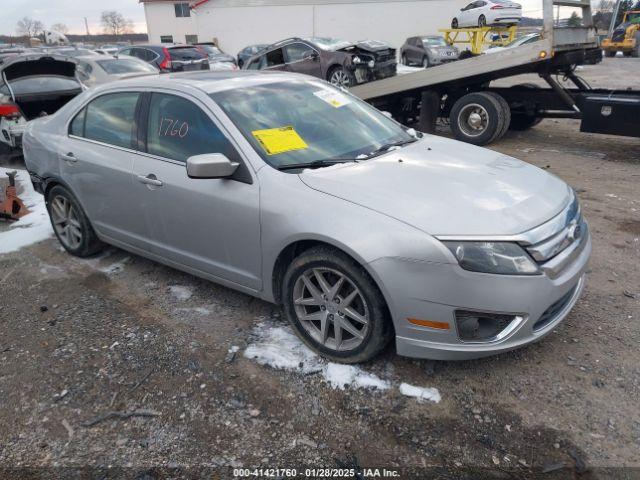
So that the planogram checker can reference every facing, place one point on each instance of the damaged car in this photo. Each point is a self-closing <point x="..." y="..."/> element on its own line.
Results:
<point x="340" y="62"/>
<point x="33" y="86"/>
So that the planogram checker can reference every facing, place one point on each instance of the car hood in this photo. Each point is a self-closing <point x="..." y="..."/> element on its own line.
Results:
<point x="444" y="187"/>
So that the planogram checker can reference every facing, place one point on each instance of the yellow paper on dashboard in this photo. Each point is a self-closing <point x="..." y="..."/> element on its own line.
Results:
<point x="280" y="140"/>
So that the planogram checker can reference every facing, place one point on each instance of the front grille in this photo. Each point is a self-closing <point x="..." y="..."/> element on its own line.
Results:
<point x="552" y="312"/>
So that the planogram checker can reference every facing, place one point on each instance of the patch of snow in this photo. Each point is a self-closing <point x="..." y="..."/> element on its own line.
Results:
<point x="234" y="349"/>
<point x="116" y="268"/>
<point x="33" y="227"/>
<point x="280" y="348"/>
<point x="339" y="376"/>
<point x="181" y="293"/>
<point x="421" y="393"/>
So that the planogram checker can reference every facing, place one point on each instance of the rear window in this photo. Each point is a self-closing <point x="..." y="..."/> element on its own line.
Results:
<point x="116" y="66"/>
<point x="188" y="53"/>
<point x="42" y="84"/>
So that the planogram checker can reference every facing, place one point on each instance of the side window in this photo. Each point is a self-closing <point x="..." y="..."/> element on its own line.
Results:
<point x="470" y="6"/>
<point x="147" y="55"/>
<point x="77" y="125"/>
<point x="275" y="58"/>
<point x="110" y="119"/>
<point x="297" y="52"/>
<point x="126" y="51"/>
<point x="256" y="64"/>
<point x="179" y="129"/>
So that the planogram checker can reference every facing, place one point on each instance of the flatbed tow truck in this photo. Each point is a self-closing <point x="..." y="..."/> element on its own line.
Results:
<point x="480" y="114"/>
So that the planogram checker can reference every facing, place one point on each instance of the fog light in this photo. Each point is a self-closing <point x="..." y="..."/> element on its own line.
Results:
<point x="485" y="327"/>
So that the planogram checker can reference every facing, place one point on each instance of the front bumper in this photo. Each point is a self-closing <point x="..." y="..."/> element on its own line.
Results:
<point x="434" y="292"/>
<point x="364" y="73"/>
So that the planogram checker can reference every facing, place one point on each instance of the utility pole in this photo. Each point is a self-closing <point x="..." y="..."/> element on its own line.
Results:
<point x="86" y="26"/>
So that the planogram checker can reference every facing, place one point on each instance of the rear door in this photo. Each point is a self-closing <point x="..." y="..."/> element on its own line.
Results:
<point x="96" y="160"/>
<point x="301" y="58"/>
<point x="209" y="225"/>
<point x="274" y="60"/>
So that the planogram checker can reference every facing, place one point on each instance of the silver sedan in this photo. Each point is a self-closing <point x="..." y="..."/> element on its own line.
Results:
<point x="293" y="191"/>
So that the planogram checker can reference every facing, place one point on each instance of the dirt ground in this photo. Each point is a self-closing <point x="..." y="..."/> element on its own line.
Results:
<point x="81" y="338"/>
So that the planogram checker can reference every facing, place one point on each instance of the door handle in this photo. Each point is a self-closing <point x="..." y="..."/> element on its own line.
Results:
<point x="150" y="180"/>
<point x="70" y="157"/>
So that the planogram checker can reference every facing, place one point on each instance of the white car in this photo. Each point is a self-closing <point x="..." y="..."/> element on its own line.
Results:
<point x="488" y="12"/>
<point x="97" y="70"/>
<point x="524" y="40"/>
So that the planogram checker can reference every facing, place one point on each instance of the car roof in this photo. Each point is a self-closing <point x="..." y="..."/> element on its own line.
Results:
<point x="207" y="81"/>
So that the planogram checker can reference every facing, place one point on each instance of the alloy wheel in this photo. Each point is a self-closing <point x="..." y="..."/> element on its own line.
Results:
<point x="66" y="222"/>
<point x="331" y="308"/>
<point x="340" y="78"/>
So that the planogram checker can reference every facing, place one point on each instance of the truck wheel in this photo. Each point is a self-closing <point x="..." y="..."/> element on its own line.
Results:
<point x="521" y="121"/>
<point x="506" y="113"/>
<point x="610" y="53"/>
<point x="70" y="224"/>
<point x="478" y="118"/>
<point x="335" y="307"/>
<point x="635" y="53"/>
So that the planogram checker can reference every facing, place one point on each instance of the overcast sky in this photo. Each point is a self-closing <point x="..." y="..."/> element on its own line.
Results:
<point x="72" y="13"/>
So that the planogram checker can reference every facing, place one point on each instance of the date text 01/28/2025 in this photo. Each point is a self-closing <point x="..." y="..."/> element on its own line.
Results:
<point x="314" y="473"/>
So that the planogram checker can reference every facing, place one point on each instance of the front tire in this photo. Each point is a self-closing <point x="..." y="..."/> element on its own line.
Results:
<point x="340" y="77"/>
<point x="454" y="23"/>
<point x="335" y="307"/>
<point x="70" y="223"/>
<point x="425" y="62"/>
<point x="482" y="21"/>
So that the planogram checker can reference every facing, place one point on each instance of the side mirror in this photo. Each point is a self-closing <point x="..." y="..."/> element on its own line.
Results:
<point x="312" y="56"/>
<point x="210" y="165"/>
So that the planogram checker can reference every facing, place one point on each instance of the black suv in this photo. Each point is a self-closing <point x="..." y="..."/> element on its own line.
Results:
<point x="340" y="62"/>
<point x="169" y="58"/>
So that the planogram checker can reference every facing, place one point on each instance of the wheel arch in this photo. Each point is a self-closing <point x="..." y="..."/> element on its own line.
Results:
<point x="296" y="247"/>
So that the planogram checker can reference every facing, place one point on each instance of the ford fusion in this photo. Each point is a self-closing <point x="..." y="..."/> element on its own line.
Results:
<point x="288" y="189"/>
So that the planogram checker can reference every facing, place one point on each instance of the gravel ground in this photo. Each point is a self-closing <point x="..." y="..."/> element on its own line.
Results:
<point x="82" y="338"/>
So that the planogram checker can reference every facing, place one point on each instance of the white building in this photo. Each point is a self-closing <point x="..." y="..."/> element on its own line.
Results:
<point x="236" y="24"/>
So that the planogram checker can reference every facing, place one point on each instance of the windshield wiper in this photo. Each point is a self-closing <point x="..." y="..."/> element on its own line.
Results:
<point x="316" y="164"/>
<point x="388" y="146"/>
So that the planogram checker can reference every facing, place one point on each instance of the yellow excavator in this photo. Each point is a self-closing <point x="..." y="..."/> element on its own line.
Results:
<point x="625" y="37"/>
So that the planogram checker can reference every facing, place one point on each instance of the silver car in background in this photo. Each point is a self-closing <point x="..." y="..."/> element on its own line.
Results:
<point x="293" y="191"/>
<point x="96" y="70"/>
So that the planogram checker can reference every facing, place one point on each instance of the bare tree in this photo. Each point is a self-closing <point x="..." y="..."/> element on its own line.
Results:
<point x="60" y="28"/>
<point x="114" y="23"/>
<point x="29" y="27"/>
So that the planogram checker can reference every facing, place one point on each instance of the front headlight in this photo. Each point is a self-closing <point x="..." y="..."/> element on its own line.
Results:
<point x="356" y="60"/>
<point x="502" y="258"/>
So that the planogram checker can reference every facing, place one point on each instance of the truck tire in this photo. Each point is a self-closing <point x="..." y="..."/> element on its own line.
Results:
<point x="506" y="113"/>
<point x="610" y="53"/>
<point x="635" y="53"/>
<point x="521" y="121"/>
<point x="478" y="118"/>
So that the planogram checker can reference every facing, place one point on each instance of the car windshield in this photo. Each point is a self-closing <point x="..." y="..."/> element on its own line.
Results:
<point x="521" y="41"/>
<point x="434" y="42"/>
<point x="40" y="84"/>
<point x="332" y="44"/>
<point x="303" y="121"/>
<point x="115" y="66"/>
<point x="210" y="49"/>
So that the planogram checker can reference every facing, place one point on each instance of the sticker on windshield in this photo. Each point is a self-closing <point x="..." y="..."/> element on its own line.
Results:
<point x="280" y="140"/>
<point x="335" y="99"/>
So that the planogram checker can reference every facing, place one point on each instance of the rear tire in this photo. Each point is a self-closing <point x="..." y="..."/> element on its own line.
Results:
<point x="454" y="23"/>
<point x="479" y="118"/>
<point x="70" y="223"/>
<point x="610" y="53"/>
<point x="482" y="21"/>
<point x="521" y="121"/>
<point x="367" y="303"/>
<point x="425" y="62"/>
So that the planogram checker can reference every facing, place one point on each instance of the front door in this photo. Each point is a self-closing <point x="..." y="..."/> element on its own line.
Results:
<point x="302" y="58"/>
<point x="210" y="225"/>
